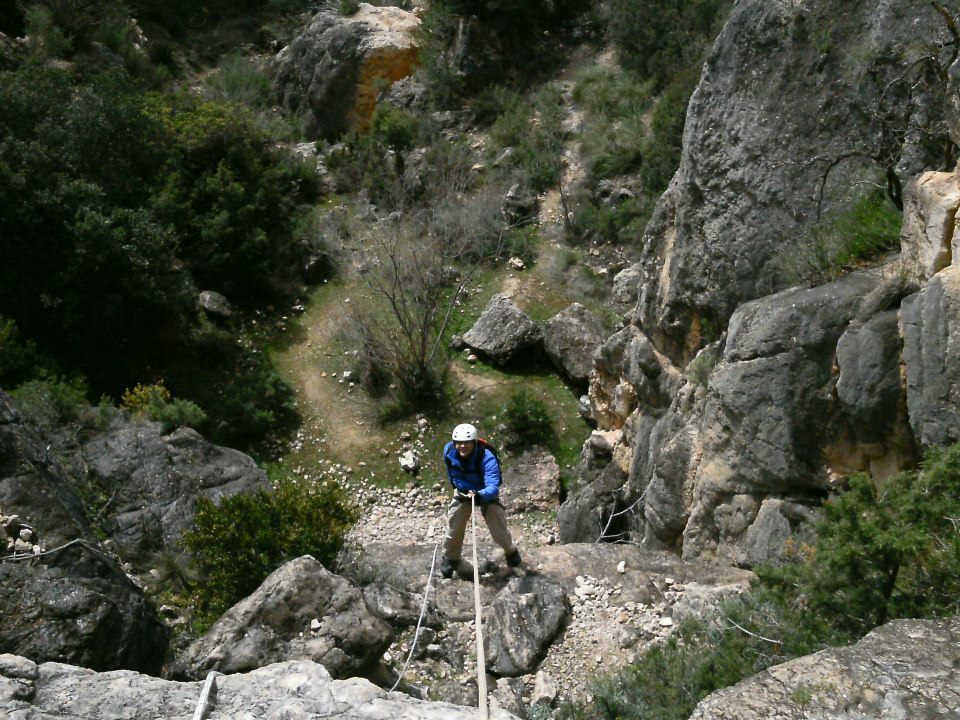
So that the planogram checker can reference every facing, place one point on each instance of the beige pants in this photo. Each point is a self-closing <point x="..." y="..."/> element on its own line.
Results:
<point x="459" y="515"/>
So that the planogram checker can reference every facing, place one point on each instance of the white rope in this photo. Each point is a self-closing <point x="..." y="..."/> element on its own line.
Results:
<point x="20" y="557"/>
<point x="481" y="669"/>
<point x="205" y="695"/>
<point x="423" y="609"/>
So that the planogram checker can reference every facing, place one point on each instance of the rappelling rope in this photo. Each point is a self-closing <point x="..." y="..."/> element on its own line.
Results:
<point x="423" y="610"/>
<point x="481" y="669"/>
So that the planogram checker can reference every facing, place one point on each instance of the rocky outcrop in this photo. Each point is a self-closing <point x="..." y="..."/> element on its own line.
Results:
<point x="73" y="604"/>
<point x="77" y="605"/>
<point x="503" y="331"/>
<point x="570" y="338"/>
<point x="905" y="669"/>
<point x="301" y="611"/>
<point x="151" y="481"/>
<point x="738" y="408"/>
<point x="522" y="622"/>
<point x="296" y="689"/>
<point x="733" y="456"/>
<point x="789" y="92"/>
<point x="330" y="75"/>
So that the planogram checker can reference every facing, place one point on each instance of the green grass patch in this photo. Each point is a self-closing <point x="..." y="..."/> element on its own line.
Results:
<point x="865" y="231"/>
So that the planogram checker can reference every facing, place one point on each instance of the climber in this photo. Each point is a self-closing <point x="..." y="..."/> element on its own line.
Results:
<point x="473" y="469"/>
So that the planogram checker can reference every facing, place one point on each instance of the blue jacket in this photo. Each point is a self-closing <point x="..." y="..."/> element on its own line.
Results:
<point x="463" y="474"/>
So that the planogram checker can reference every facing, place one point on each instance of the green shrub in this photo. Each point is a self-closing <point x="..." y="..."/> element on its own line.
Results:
<point x="658" y="39"/>
<point x="866" y="230"/>
<point x="242" y="80"/>
<point x="153" y="402"/>
<point x="885" y="549"/>
<point x="237" y="543"/>
<point x="45" y="39"/>
<point x="51" y="402"/>
<point x="527" y="422"/>
<point x="700" y="368"/>
<point x="506" y="42"/>
<point x="536" y="135"/>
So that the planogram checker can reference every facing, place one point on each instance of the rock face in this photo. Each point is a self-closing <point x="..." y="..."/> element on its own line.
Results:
<point x="522" y="622"/>
<point x="905" y="669"/>
<point x="153" y="480"/>
<point x="330" y="74"/>
<point x="296" y="689"/>
<point x="76" y="604"/>
<point x="503" y="331"/>
<point x="276" y="623"/>
<point x="728" y="410"/>
<point x="931" y="329"/>
<point x="570" y="338"/>
<point x="787" y="90"/>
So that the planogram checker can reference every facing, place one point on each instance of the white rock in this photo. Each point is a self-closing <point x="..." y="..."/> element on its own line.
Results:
<point x="622" y="567"/>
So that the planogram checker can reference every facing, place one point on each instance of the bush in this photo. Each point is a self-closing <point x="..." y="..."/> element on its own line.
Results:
<point x="237" y="543"/>
<point x="536" y="135"/>
<point x="884" y="550"/>
<point x="153" y="402"/>
<point x="51" y="402"/>
<point x="505" y="41"/>
<point x="527" y="422"/>
<point x="868" y="229"/>
<point x="658" y="39"/>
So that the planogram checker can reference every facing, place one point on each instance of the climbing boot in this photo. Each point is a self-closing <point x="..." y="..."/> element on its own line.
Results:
<point x="447" y="567"/>
<point x="513" y="559"/>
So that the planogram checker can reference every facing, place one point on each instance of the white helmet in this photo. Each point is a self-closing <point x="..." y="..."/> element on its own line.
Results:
<point x="464" y="432"/>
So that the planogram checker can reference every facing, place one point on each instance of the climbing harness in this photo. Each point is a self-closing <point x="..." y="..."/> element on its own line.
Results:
<point x="481" y="669"/>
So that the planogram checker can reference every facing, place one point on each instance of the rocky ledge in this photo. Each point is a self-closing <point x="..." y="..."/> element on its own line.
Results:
<point x="297" y="689"/>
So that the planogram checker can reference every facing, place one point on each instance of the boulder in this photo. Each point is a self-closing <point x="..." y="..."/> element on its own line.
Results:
<point x="531" y="481"/>
<point x="274" y="624"/>
<point x="868" y="387"/>
<point x="215" y="304"/>
<point x="570" y="338"/>
<point x="931" y="354"/>
<point x="519" y="206"/>
<point x="299" y="689"/>
<point x="503" y="331"/>
<point x="522" y="622"/>
<point x="77" y="605"/>
<point x="152" y="481"/>
<point x="786" y="91"/>
<point x="331" y="74"/>
<point x="904" y="669"/>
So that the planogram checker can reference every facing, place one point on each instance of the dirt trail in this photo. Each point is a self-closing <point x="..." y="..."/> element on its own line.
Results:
<point x="315" y="372"/>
